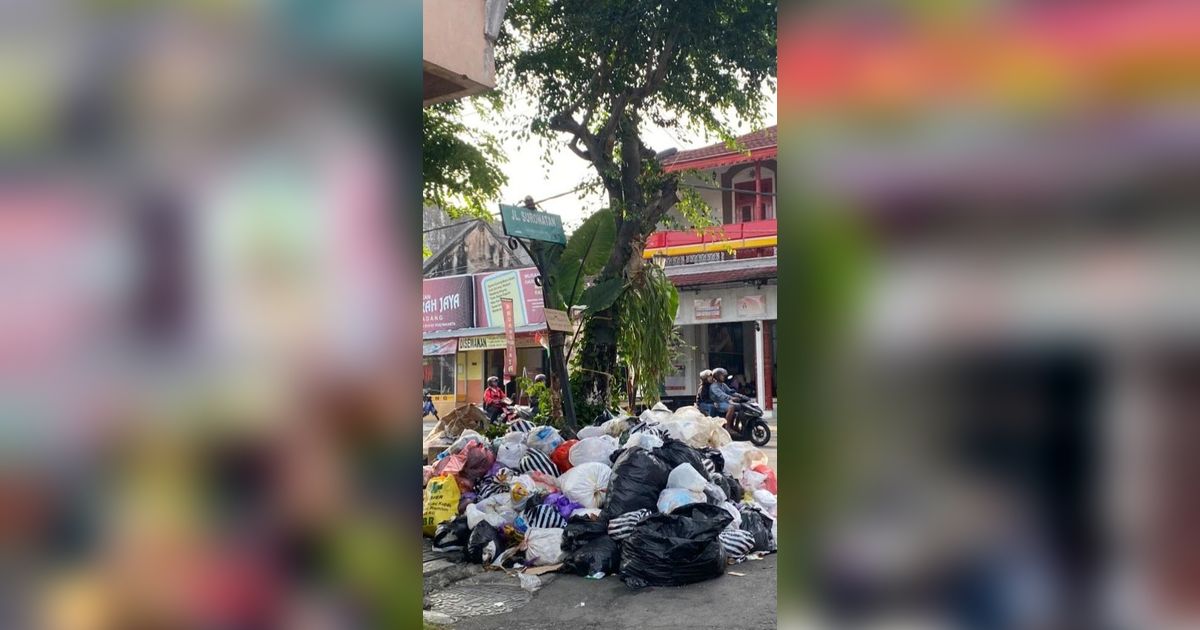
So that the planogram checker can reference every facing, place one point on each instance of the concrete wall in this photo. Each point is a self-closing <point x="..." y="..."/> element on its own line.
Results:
<point x="455" y="49"/>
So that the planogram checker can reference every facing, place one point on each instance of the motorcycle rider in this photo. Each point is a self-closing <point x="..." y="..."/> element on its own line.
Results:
<point x="704" y="400"/>
<point x="725" y="400"/>
<point x="494" y="399"/>
<point x="533" y="400"/>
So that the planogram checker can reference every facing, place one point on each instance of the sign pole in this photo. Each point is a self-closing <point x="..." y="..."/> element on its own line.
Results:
<point x="516" y="221"/>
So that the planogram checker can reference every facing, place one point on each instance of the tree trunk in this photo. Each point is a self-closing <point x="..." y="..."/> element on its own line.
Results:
<point x="598" y="358"/>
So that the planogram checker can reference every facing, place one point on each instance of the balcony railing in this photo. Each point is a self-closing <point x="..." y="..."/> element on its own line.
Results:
<point x="748" y="231"/>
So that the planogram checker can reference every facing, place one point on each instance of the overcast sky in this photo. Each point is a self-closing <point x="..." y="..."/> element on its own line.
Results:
<point x="530" y="174"/>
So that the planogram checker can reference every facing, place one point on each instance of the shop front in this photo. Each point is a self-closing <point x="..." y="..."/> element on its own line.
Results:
<point x="728" y="327"/>
<point x="464" y="339"/>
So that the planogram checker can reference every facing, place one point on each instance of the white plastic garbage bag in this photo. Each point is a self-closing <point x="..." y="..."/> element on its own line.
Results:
<point x="767" y="501"/>
<point x="586" y="484"/>
<point x="739" y="455"/>
<point x="719" y="438"/>
<point x="690" y="412"/>
<point x="594" y="449"/>
<point x="645" y="440"/>
<point x="496" y="510"/>
<point x="465" y="438"/>
<point x="476" y="516"/>
<point x="544" y="439"/>
<point x="753" y="480"/>
<point x="671" y="498"/>
<point x="543" y="546"/>
<point x="511" y="450"/>
<point x="530" y="583"/>
<point x="589" y="431"/>
<point x="616" y="426"/>
<point x="695" y="431"/>
<point x="657" y="413"/>
<point x="687" y="477"/>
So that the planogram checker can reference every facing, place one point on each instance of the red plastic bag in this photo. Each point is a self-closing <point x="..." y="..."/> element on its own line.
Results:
<point x="478" y="461"/>
<point x="562" y="455"/>
<point x="771" y="484"/>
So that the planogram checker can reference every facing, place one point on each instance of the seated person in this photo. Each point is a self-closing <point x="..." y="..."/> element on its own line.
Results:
<point x="704" y="401"/>
<point x="493" y="399"/>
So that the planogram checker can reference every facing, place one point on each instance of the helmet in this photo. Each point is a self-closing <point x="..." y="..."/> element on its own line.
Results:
<point x="720" y="373"/>
<point x="540" y="378"/>
<point x="706" y="373"/>
<point x="492" y="380"/>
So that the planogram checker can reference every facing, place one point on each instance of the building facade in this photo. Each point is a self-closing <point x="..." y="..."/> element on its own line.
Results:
<point x="462" y="322"/>
<point x="457" y="54"/>
<point x="726" y="274"/>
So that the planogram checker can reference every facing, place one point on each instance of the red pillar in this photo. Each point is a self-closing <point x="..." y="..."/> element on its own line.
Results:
<point x="768" y="361"/>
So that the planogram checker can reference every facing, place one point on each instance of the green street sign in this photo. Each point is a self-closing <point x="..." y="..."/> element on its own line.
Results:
<point x="539" y="226"/>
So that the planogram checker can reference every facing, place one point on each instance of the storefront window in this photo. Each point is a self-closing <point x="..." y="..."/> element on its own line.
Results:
<point x="439" y="374"/>
<point x="726" y="349"/>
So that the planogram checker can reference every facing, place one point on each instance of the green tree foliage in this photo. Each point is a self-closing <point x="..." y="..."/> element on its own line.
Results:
<point x="645" y="311"/>
<point x="585" y="254"/>
<point x="599" y="72"/>
<point x="460" y="163"/>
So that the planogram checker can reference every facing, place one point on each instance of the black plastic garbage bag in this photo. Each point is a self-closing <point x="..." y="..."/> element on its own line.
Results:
<point x="598" y="555"/>
<point x="729" y="485"/>
<point x="579" y="531"/>
<point x="759" y="525"/>
<point x="674" y="453"/>
<point x="678" y="548"/>
<point x="452" y="535"/>
<point x="484" y="544"/>
<point x="637" y="478"/>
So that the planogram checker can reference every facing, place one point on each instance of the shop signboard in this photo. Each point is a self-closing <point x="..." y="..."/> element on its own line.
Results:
<point x="510" y="338"/>
<point x="558" y="321"/>
<point x="440" y="347"/>
<point x="486" y="342"/>
<point x="707" y="308"/>
<point x="447" y="303"/>
<point x="752" y="305"/>
<point x="520" y="285"/>
<point x="532" y="224"/>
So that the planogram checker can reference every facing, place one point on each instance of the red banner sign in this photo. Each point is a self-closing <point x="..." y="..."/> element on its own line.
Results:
<point x="510" y="337"/>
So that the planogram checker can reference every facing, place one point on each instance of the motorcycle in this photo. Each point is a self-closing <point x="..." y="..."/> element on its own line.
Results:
<point x="749" y="423"/>
<point x="510" y="412"/>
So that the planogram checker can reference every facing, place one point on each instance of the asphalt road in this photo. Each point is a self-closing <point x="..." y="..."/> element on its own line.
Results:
<point x="745" y="602"/>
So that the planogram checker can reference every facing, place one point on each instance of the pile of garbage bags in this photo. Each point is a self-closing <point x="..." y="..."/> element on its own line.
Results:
<point x="663" y="499"/>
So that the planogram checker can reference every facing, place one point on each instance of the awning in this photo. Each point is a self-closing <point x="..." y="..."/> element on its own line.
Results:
<point x="459" y="333"/>
<point x="723" y="272"/>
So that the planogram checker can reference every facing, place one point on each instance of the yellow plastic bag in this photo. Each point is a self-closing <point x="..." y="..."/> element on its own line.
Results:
<point x="441" y="502"/>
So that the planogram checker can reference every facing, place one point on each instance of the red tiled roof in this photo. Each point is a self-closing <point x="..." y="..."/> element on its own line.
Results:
<point x="755" y="142"/>
<point x="728" y="275"/>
